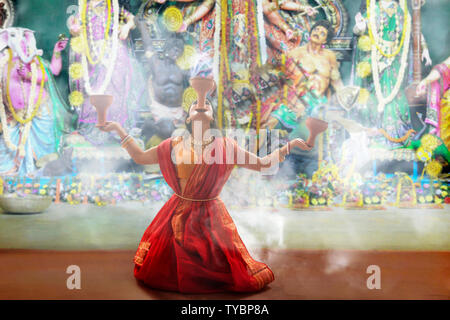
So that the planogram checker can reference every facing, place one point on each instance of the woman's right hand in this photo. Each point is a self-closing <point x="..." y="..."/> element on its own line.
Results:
<point x="300" y="143"/>
<point x="109" y="126"/>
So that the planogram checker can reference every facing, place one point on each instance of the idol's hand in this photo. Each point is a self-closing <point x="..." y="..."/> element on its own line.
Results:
<point x="426" y="57"/>
<point x="421" y="87"/>
<point x="300" y="143"/>
<point x="310" y="11"/>
<point x="74" y="25"/>
<point x="60" y="45"/>
<point x="360" y="22"/>
<point x="23" y="71"/>
<point x="183" y="27"/>
<point x="289" y="34"/>
<point x="109" y="126"/>
<point x="359" y="19"/>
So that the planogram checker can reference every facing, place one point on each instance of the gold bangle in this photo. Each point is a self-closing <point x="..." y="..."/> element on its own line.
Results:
<point x="58" y="54"/>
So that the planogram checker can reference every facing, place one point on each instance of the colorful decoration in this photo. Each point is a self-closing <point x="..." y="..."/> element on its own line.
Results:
<point x="76" y="70"/>
<point x="76" y="98"/>
<point x="173" y="18"/>
<point x="112" y="49"/>
<point x="364" y="43"/>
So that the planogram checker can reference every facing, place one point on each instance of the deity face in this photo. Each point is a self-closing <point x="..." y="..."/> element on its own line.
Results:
<point x="21" y="41"/>
<point x="319" y="35"/>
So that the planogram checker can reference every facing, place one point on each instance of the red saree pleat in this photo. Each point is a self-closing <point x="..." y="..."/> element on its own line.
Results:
<point x="193" y="246"/>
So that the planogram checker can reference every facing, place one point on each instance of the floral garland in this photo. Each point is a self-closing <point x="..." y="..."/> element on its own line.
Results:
<point x="83" y="5"/>
<point x="26" y="131"/>
<point x="34" y="109"/>
<point x="4" y="120"/>
<point x="222" y="13"/>
<point x="111" y="60"/>
<point x="382" y="101"/>
<point x="371" y="27"/>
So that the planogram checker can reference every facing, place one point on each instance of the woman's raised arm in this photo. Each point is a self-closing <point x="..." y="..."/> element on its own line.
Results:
<point x="245" y="159"/>
<point x="139" y="156"/>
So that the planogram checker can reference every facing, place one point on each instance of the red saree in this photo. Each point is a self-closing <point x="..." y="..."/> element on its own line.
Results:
<point x="193" y="246"/>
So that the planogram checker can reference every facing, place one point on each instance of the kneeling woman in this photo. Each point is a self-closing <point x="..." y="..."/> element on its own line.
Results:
<point x="192" y="245"/>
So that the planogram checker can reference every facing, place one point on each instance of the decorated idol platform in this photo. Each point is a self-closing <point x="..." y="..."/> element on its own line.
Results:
<point x="340" y="109"/>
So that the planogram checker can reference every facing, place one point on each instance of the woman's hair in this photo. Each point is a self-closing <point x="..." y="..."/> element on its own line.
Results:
<point x="213" y="123"/>
<point x="327" y="25"/>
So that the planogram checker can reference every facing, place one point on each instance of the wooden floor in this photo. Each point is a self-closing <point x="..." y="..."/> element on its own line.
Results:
<point x="299" y="274"/>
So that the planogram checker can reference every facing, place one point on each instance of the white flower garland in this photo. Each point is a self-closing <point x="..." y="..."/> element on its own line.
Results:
<point x="112" y="56"/>
<point x="382" y="101"/>
<point x="261" y="32"/>
<point x="31" y="97"/>
<point x="4" y="120"/>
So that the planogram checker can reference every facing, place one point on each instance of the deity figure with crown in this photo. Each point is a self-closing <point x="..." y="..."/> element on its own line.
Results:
<point x="102" y="62"/>
<point x="382" y="65"/>
<point x="34" y="118"/>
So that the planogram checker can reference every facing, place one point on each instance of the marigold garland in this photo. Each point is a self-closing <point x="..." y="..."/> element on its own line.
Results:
<point x="364" y="43"/>
<point x="430" y="142"/>
<point x="363" y="96"/>
<point x="76" y="70"/>
<point x="76" y="98"/>
<point x="83" y="7"/>
<point x="32" y="88"/>
<point x="77" y="45"/>
<point x="433" y="168"/>
<point x="374" y="37"/>
<point x="363" y="69"/>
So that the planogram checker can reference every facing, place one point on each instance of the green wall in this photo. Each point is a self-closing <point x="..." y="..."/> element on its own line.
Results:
<point x="48" y="19"/>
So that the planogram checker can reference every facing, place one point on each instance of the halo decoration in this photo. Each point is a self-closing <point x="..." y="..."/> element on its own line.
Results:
<point x="187" y="60"/>
<point x="6" y="14"/>
<point x="189" y="97"/>
<point x="173" y="18"/>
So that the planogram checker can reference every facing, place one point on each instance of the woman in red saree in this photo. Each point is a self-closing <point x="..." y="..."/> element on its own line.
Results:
<point x="192" y="245"/>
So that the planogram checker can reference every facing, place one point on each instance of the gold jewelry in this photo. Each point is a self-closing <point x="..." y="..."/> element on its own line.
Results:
<point x="203" y="144"/>
<point x="57" y="54"/>
<point x="189" y="199"/>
